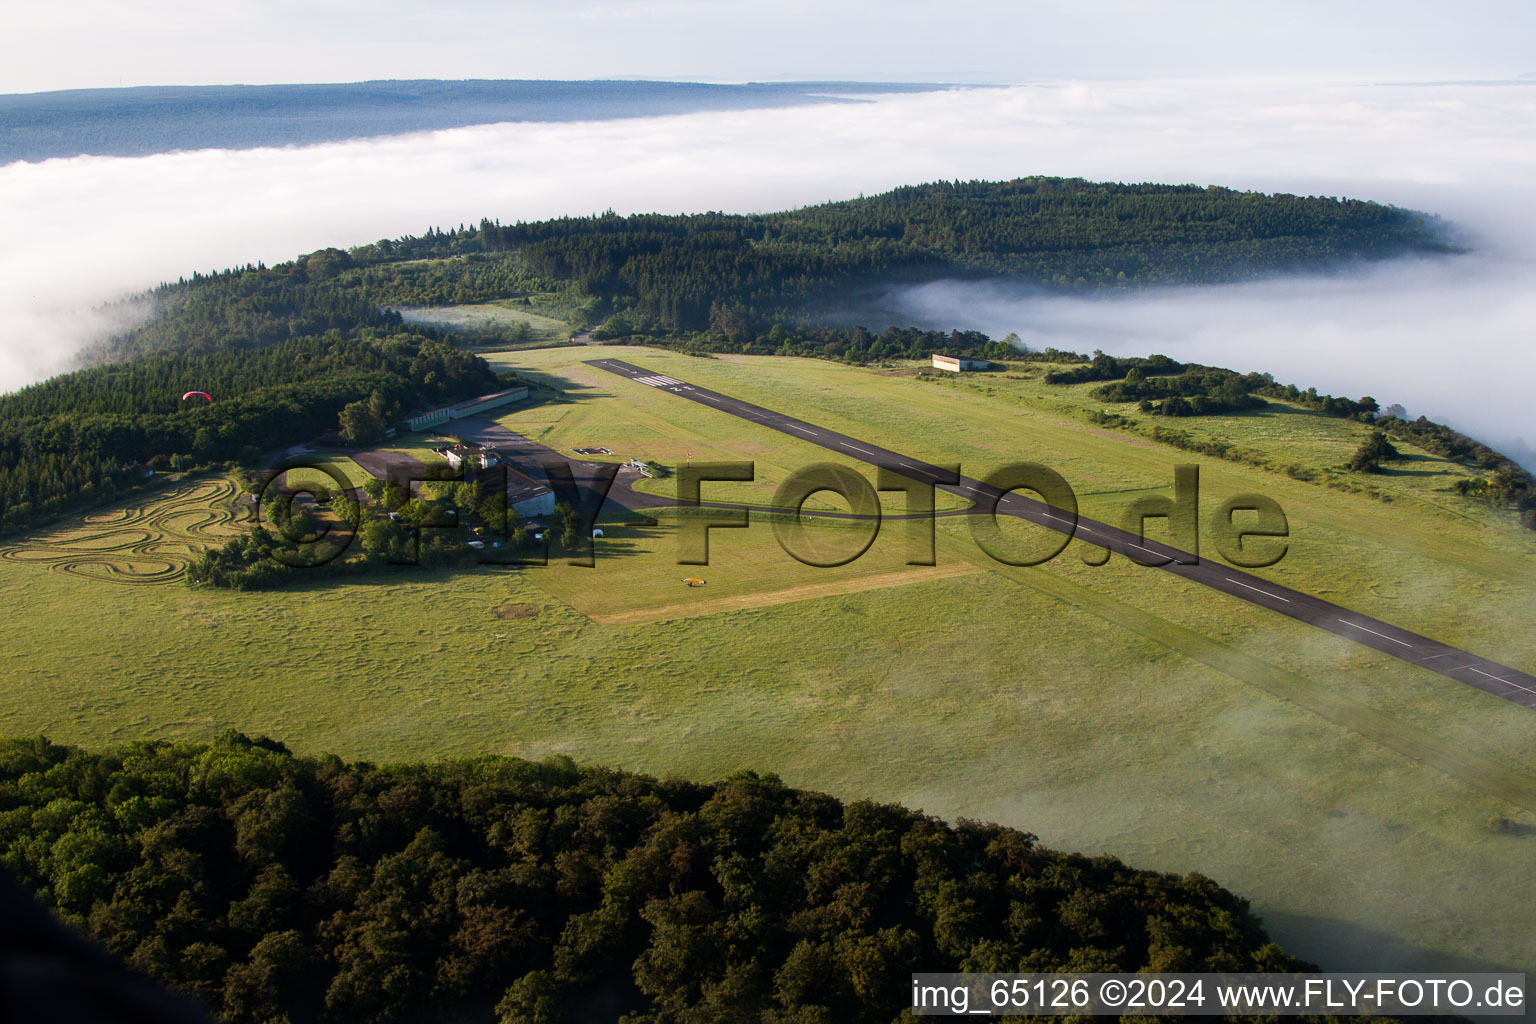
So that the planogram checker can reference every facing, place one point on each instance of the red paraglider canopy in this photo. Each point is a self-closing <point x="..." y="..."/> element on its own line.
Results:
<point x="200" y="394"/>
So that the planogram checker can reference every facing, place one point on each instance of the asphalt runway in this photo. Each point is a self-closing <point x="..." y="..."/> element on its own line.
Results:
<point x="531" y="458"/>
<point x="1453" y="663"/>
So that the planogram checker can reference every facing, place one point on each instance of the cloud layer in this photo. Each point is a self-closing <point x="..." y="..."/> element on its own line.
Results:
<point x="1446" y="339"/>
<point x="88" y="229"/>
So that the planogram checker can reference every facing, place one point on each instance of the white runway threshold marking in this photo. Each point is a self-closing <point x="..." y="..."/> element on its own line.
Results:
<point x="1368" y="629"/>
<point x="1506" y="682"/>
<point x="1260" y="590"/>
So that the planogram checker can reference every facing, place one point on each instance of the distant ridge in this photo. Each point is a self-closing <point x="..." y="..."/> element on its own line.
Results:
<point x="161" y="119"/>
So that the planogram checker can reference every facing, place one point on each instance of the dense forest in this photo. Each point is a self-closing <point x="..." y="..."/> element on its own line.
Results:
<point x="253" y="306"/>
<point x="755" y="282"/>
<point x="733" y="276"/>
<point x="689" y="272"/>
<point x="90" y="435"/>
<point x="274" y="888"/>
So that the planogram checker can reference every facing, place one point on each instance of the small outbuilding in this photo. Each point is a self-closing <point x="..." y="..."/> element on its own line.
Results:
<point x="457" y="455"/>
<point x="958" y="364"/>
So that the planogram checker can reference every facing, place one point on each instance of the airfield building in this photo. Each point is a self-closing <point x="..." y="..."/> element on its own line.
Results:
<point x="469" y="407"/>
<point x="958" y="364"/>
<point x="474" y="455"/>
<point x="527" y="497"/>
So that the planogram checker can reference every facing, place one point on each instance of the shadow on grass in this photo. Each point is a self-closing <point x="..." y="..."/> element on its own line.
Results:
<point x="1397" y="468"/>
<point x="1337" y="945"/>
<point x="1275" y="408"/>
<point x="621" y="538"/>
<point x="553" y="389"/>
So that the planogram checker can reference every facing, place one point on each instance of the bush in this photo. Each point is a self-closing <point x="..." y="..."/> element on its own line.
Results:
<point x="1373" y="451"/>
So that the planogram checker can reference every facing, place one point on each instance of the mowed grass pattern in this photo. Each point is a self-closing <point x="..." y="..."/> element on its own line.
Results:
<point x="143" y="542"/>
<point x="1106" y="708"/>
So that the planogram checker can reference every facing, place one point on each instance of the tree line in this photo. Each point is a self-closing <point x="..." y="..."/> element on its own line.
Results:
<point x="250" y="307"/>
<point x="1061" y="233"/>
<point x="1195" y="390"/>
<point x="274" y="887"/>
<point x="447" y="523"/>
<point x="90" y="435"/>
<point x="674" y="273"/>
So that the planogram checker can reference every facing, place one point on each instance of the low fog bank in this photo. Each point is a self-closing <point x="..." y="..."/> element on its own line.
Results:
<point x="56" y="335"/>
<point x="1450" y="338"/>
<point x="1447" y="338"/>
<point x="86" y="230"/>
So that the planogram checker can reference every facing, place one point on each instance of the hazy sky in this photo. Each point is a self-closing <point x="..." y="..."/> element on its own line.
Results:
<point x="103" y="43"/>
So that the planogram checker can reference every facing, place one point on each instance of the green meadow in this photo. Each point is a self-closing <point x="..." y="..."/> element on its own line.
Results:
<point x="1106" y="708"/>
<point x="504" y="317"/>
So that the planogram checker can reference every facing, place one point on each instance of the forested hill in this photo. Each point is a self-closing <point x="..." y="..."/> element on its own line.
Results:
<point x="86" y="436"/>
<point x="717" y="271"/>
<point x="275" y="887"/>
<point x="720" y="281"/>
<point x="1067" y="234"/>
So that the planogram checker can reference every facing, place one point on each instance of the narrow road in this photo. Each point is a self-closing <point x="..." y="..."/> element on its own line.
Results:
<point x="1462" y="666"/>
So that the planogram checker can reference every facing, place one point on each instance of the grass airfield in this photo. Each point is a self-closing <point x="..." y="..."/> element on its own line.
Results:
<point x="1108" y="709"/>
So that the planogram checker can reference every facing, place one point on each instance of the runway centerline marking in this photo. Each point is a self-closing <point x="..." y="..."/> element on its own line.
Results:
<point x="1517" y="686"/>
<point x="1368" y="629"/>
<point x="1506" y="682"/>
<point x="1260" y="590"/>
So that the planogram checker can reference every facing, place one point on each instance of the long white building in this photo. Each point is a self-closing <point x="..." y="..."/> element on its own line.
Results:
<point x="958" y="364"/>
<point x="468" y="407"/>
